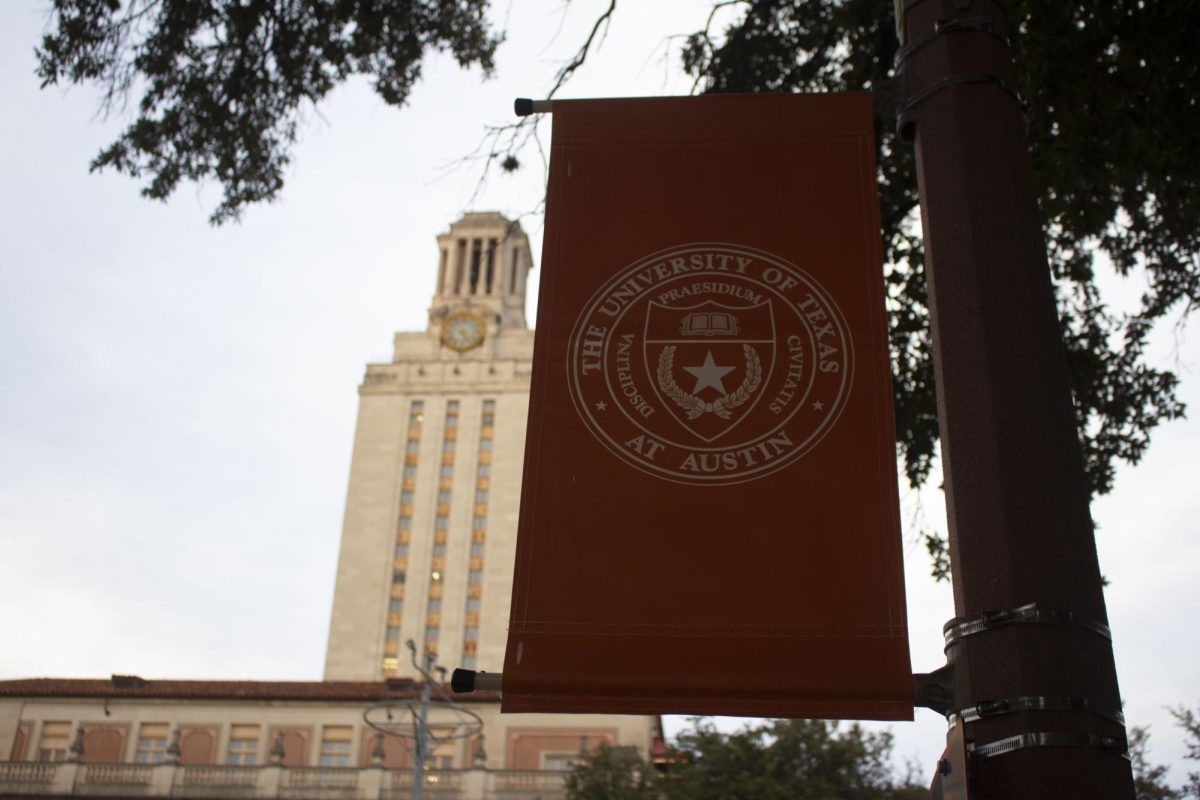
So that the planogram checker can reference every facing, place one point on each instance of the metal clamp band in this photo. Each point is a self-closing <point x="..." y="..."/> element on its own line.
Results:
<point x="963" y="25"/>
<point x="902" y="7"/>
<point x="1113" y="744"/>
<point x="1014" y="705"/>
<point x="904" y="116"/>
<point x="958" y="629"/>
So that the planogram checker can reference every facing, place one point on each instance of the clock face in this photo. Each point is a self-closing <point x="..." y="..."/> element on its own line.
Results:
<point x="462" y="330"/>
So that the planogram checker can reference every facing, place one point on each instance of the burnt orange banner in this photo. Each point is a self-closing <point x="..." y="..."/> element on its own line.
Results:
<point x="709" y="517"/>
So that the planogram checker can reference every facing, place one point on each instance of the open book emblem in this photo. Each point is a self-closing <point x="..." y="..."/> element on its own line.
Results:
<point x="708" y="362"/>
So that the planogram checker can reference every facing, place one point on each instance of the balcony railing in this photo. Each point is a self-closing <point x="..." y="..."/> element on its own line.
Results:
<point x="434" y="778"/>
<point x="220" y="776"/>
<point x="529" y="781"/>
<point x="322" y="777"/>
<point x="65" y="779"/>
<point x="117" y="774"/>
<point x="18" y="774"/>
<point x="323" y="783"/>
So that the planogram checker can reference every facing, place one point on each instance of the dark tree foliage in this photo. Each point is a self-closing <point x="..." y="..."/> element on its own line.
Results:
<point x="1189" y="720"/>
<point x="613" y="773"/>
<point x="1114" y="127"/>
<point x="787" y="760"/>
<point x="221" y="84"/>
<point x="775" y="760"/>
<point x="1149" y="780"/>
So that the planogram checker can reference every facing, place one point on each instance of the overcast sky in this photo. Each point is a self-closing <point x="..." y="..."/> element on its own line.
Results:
<point x="177" y="402"/>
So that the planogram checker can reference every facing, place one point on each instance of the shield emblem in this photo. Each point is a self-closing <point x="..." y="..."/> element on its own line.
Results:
<point x="709" y="362"/>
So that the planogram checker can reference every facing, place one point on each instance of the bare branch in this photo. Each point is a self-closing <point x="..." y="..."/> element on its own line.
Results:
<point x="575" y="63"/>
<point x="505" y="141"/>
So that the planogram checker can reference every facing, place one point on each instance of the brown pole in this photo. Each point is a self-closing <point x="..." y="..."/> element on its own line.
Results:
<point x="1016" y="494"/>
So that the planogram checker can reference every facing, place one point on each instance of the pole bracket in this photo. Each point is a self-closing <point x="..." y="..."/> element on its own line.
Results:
<point x="958" y="628"/>
<point x="935" y="690"/>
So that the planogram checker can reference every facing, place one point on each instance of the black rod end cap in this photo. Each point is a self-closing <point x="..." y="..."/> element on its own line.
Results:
<point x="462" y="680"/>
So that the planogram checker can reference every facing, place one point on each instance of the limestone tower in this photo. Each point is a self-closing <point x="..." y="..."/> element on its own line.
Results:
<point x="429" y="535"/>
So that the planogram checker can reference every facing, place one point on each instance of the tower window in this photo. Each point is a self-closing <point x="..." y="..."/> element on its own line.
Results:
<point x="491" y="262"/>
<point x="460" y="259"/>
<point x="476" y="258"/>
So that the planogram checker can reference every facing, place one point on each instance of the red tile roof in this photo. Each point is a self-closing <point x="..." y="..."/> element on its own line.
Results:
<point x="131" y="686"/>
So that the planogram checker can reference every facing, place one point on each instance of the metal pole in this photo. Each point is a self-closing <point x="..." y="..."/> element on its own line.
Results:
<point x="422" y="743"/>
<point x="1016" y="494"/>
<point x="422" y="738"/>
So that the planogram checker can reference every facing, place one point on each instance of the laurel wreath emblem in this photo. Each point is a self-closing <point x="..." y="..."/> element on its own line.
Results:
<point x="693" y="405"/>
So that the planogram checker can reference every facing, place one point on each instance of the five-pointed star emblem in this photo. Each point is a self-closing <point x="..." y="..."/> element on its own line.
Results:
<point x="709" y="374"/>
<point x="600" y="406"/>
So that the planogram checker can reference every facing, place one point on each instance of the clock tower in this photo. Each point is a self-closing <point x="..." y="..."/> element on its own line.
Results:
<point x="483" y="261"/>
<point x="429" y="535"/>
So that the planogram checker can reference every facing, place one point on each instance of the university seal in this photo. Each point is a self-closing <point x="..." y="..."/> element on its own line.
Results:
<point x="710" y="363"/>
